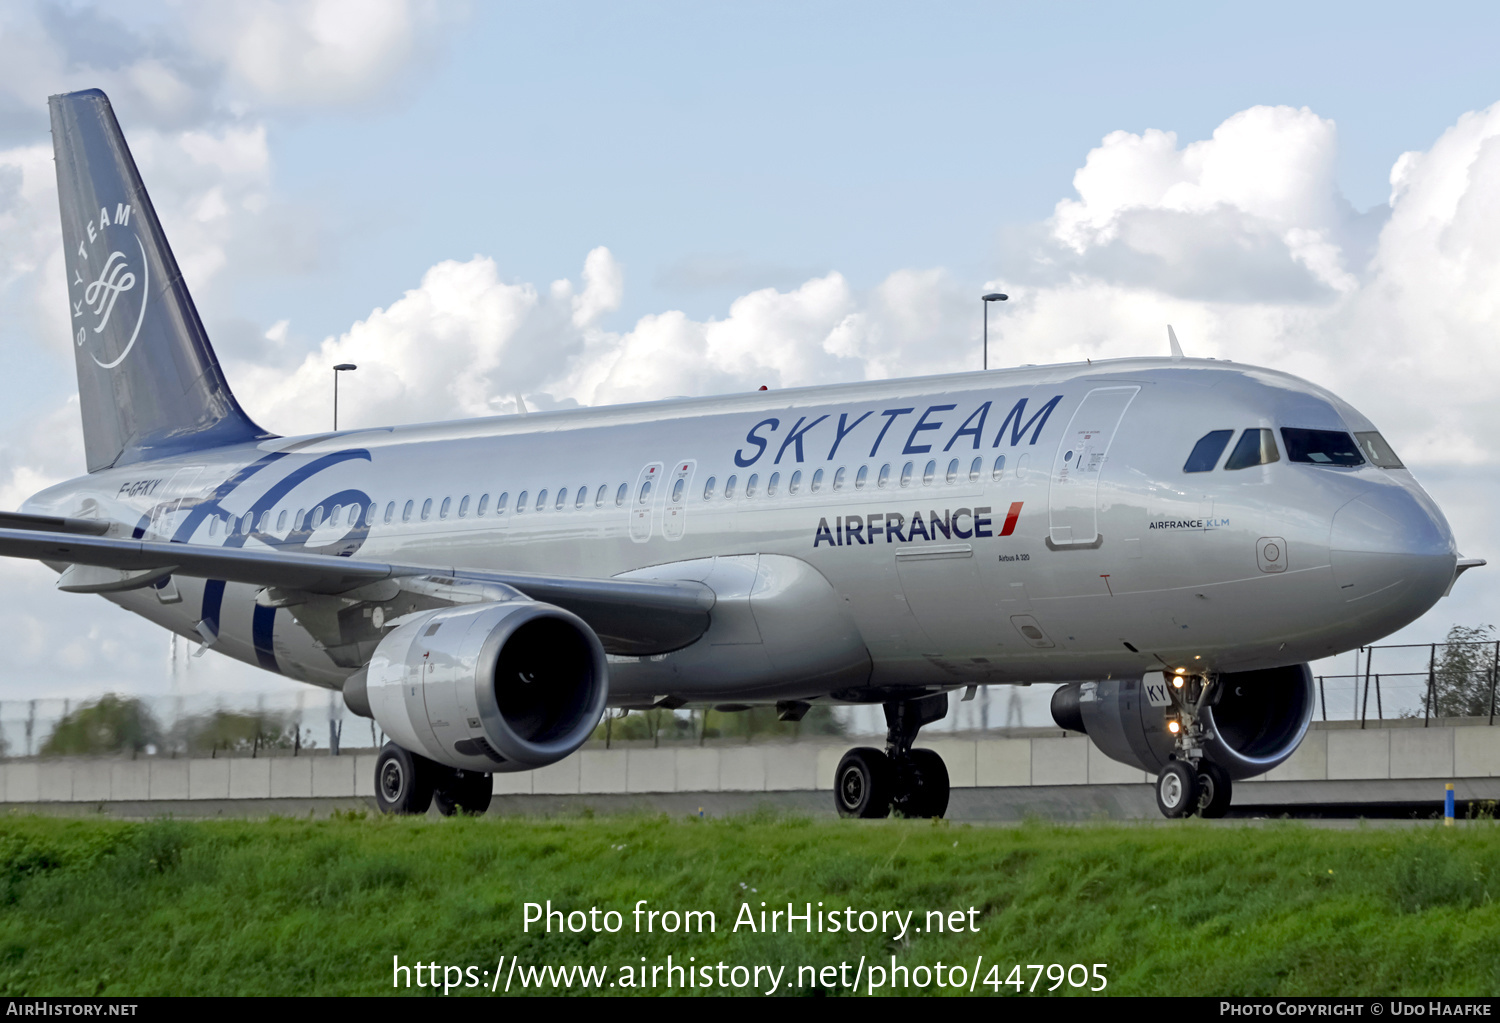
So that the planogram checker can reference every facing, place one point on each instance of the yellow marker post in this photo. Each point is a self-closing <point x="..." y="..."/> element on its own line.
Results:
<point x="1448" y="806"/>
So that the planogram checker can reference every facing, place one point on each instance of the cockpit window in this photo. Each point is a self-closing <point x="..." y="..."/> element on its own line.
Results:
<point x="1377" y="450"/>
<point x="1321" y="447"/>
<point x="1256" y="447"/>
<point x="1207" y="451"/>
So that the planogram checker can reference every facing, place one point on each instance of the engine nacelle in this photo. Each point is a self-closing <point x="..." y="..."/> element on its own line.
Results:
<point x="1255" y="722"/>
<point x="508" y="686"/>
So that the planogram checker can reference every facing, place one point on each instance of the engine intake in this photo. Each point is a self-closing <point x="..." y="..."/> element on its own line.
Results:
<point x="508" y="686"/>
<point x="1255" y="722"/>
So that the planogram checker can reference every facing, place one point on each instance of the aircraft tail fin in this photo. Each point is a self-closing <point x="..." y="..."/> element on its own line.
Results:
<point x="149" y="384"/>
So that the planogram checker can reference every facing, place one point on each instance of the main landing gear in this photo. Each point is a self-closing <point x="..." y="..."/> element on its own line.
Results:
<point x="913" y="782"/>
<point x="1191" y="783"/>
<point x="408" y="784"/>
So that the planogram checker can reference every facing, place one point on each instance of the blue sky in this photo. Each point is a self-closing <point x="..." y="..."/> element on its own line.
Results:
<point x="773" y="142"/>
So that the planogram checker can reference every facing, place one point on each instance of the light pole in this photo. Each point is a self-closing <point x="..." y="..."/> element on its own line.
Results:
<point x="993" y="296"/>
<point x="340" y="368"/>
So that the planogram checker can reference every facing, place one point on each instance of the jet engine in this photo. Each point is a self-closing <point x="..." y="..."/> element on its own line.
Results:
<point x="508" y="686"/>
<point x="1253" y="721"/>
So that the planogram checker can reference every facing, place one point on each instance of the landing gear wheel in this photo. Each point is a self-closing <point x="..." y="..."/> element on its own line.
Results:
<point x="403" y="781"/>
<point x="862" y="785"/>
<point x="926" y="785"/>
<point x="464" y="792"/>
<point x="1177" y="790"/>
<point x="1214" y="789"/>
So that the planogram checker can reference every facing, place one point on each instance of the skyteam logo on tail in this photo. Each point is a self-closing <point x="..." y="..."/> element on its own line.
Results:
<point x="111" y="279"/>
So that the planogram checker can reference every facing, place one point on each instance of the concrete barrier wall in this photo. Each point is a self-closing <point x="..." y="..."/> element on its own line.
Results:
<point x="1443" y="751"/>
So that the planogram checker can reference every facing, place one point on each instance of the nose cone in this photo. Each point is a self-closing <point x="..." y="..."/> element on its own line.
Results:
<point x="1391" y="556"/>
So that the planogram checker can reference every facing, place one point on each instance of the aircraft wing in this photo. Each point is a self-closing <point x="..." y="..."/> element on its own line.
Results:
<point x="635" y="617"/>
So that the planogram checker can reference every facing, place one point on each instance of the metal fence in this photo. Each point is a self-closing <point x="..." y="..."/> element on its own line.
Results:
<point x="1423" y="680"/>
<point x="1411" y="680"/>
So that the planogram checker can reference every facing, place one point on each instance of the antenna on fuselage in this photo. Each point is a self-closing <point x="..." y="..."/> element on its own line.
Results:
<point x="1172" y="340"/>
<point x="521" y="408"/>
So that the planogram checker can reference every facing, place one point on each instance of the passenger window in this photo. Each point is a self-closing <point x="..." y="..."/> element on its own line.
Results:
<point x="541" y="500"/>
<point x="317" y="519"/>
<point x="795" y="483"/>
<point x="1377" y="450"/>
<point x="583" y="495"/>
<point x="817" y="482"/>
<point x="520" y="502"/>
<point x="750" y="484"/>
<point x="974" y="469"/>
<point x="677" y="489"/>
<point x="599" y="497"/>
<point x="443" y="510"/>
<point x="501" y="502"/>
<point x="708" y="488"/>
<point x="427" y="509"/>
<point x="213" y="526"/>
<point x="281" y="519"/>
<point x="884" y="478"/>
<point x="562" y="499"/>
<point x="484" y="503"/>
<point x="299" y="522"/>
<point x="1321" y="447"/>
<point x="1256" y="447"/>
<point x="861" y="476"/>
<point x="929" y="474"/>
<point x="370" y="514"/>
<point x="645" y="493"/>
<point x="906" y="474"/>
<point x="953" y="472"/>
<point x="1207" y="451"/>
<point x="840" y="474"/>
<point x="354" y="510"/>
<point x="333" y="515"/>
<point x="999" y="469"/>
<point x="729" y="487"/>
<point x="772" y="484"/>
<point x="265" y="522"/>
<point x="463" y="506"/>
<point x="620" y="494"/>
<point x="406" y="512"/>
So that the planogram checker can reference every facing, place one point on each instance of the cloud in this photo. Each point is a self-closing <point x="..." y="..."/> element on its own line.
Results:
<point x="318" y="52"/>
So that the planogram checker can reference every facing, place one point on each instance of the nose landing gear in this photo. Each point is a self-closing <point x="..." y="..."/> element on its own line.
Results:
<point x="913" y="782"/>
<point x="1191" y="783"/>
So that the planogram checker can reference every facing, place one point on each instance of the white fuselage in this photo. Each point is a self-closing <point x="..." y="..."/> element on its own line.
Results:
<point x="1087" y="552"/>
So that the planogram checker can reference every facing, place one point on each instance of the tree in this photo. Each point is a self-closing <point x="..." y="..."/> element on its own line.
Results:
<point x="112" y="724"/>
<point x="1461" y="674"/>
<point x="231" y="730"/>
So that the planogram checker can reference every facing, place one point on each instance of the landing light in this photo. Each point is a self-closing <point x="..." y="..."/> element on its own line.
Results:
<point x="1182" y="671"/>
<point x="1177" y="682"/>
<point x="1173" y="727"/>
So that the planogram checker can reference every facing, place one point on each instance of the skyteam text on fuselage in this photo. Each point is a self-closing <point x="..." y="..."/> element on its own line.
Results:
<point x="1173" y="538"/>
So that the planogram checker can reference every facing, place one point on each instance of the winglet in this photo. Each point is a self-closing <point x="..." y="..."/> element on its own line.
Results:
<point x="1172" y="340"/>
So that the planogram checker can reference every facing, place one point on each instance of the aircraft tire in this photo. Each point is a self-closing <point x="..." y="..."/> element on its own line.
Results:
<point x="1215" y="790"/>
<point x="467" y="792"/>
<point x="403" y="781"/>
<point x="1177" y="790"/>
<point x="863" y="783"/>
<point x="929" y="779"/>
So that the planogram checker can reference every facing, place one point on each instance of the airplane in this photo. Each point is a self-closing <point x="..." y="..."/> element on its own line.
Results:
<point x="1172" y="538"/>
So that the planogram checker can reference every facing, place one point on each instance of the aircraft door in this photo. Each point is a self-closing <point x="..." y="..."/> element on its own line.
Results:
<point x="164" y="517"/>
<point x="642" y="501"/>
<point x="1073" y="499"/>
<point x="674" y="518"/>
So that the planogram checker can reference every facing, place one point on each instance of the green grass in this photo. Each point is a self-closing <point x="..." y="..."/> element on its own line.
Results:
<point x="99" y="907"/>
